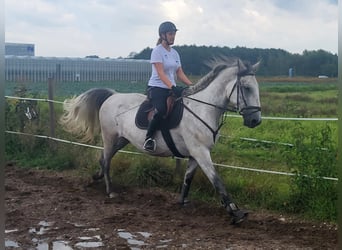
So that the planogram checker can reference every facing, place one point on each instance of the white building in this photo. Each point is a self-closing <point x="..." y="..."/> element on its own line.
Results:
<point x="39" y="69"/>
<point x="19" y="49"/>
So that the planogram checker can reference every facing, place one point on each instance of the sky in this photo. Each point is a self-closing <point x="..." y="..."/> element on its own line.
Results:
<point x="116" y="28"/>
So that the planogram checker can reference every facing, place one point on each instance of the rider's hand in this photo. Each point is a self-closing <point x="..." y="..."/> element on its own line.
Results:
<point x="177" y="91"/>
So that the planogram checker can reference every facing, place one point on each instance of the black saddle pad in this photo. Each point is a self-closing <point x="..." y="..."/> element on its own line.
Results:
<point x="172" y="121"/>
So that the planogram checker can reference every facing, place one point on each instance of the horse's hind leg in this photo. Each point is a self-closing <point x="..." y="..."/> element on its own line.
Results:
<point x="109" y="150"/>
<point x="99" y="175"/>
<point x="189" y="175"/>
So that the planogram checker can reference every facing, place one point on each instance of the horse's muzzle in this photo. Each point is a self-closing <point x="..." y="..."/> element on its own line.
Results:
<point x="251" y="116"/>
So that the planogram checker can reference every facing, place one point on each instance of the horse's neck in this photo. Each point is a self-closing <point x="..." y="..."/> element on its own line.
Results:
<point x="214" y="93"/>
<point x="208" y="104"/>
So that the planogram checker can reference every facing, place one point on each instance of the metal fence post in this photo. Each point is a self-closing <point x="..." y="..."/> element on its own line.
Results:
<point x="51" y="106"/>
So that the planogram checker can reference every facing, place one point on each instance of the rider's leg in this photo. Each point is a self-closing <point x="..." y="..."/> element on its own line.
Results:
<point x="158" y="98"/>
<point x="150" y="143"/>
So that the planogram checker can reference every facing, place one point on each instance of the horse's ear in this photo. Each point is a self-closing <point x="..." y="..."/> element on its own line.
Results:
<point x="255" y="67"/>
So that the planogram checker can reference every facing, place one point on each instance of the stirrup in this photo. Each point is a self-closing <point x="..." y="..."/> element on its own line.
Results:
<point x="150" y="145"/>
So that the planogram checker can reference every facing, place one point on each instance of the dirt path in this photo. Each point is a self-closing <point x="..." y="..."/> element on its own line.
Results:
<point x="49" y="210"/>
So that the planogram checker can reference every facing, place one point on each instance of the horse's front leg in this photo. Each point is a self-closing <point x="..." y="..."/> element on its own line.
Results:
<point x="189" y="175"/>
<point x="204" y="161"/>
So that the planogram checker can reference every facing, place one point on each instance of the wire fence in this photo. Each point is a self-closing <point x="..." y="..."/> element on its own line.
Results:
<point x="215" y="164"/>
<point x="228" y="115"/>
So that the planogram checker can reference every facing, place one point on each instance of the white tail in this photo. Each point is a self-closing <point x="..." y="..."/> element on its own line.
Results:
<point x="81" y="113"/>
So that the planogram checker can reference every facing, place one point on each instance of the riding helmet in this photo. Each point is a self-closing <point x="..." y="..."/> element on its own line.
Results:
<point x="167" y="27"/>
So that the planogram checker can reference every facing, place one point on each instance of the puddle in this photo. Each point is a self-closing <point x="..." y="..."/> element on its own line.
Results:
<point x="44" y="244"/>
<point x="44" y="227"/>
<point x="44" y="223"/>
<point x="11" y="243"/>
<point x="40" y="243"/>
<point x="90" y="244"/>
<point x="92" y="229"/>
<point x="134" y="240"/>
<point x="137" y="240"/>
<point x="145" y="234"/>
<point x="61" y="245"/>
<point x="65" y="245"/>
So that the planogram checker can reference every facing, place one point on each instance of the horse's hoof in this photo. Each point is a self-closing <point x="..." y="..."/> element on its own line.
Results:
<point x="238" y="217"/>
<point x="97" y="178"/>
<point x="112" y="195"/>
<point x="184" y="202"/>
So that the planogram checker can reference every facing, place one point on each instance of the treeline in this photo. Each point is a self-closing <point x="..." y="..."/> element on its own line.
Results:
<point x="274" y="62"/>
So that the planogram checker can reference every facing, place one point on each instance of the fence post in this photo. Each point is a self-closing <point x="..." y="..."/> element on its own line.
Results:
<point x="51" y="106"/>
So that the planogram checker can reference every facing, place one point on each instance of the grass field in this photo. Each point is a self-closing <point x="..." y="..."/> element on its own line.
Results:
<point x="303" y="147"/>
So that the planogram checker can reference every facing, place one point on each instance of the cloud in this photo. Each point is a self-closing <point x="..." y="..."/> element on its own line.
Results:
<point x="115" y="28"/>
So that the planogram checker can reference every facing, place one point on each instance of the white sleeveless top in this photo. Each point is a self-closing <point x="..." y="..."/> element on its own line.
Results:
<point x="171" y="62"/>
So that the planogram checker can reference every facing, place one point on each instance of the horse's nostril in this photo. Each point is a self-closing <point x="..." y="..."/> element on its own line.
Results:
<point x="255" y="122"/>
<point x="252" y="123"/>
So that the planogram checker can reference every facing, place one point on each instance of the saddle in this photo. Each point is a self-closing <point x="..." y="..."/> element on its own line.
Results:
<point x="171" y="120"/>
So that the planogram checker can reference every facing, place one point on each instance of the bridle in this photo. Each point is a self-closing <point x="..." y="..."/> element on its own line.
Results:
<point x="238" y="86"/>
<point x="245" y="111"/>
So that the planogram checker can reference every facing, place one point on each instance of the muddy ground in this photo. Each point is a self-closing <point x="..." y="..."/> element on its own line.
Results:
<point x="50" y="210"/>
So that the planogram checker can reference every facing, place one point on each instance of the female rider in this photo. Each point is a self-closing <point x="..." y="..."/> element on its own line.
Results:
<point x="166" y="68"/>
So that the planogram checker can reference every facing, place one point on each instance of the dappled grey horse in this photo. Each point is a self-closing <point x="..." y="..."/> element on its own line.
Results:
<point x="230" y="85"/>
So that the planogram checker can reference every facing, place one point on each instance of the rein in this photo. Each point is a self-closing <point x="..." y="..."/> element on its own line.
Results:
<point x="215" y="132"/>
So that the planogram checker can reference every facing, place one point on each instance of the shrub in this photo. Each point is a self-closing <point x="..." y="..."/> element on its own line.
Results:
<point x="313" y="157"/>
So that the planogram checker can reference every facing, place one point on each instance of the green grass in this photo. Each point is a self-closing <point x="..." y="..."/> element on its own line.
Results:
<point x="299" y="99"/>
<point x="66" y="89"/>
<point x="279" y="97"/>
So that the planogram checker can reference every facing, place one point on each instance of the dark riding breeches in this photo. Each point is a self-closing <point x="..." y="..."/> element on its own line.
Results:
<point x="158" y="98"/>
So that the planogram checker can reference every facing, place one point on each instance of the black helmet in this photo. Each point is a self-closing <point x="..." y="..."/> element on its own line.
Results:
<point x="166" y="27"/>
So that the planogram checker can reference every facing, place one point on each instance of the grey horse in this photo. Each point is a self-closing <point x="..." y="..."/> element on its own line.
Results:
<point x="230" y="85"/>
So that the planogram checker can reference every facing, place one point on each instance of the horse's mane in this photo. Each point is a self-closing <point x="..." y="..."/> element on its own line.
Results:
<point x="217" y="65"/>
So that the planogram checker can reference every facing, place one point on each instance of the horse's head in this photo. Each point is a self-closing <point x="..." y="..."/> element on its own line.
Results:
<point x="244" y="94"/>
<point x="230" y="85"/>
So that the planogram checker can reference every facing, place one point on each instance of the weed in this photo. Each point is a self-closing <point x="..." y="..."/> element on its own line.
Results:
<point x="313" y="157"/>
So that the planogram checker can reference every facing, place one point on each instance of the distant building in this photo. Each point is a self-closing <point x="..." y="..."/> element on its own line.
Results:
<point x="19" y="49"/>
<point x="291" y="72"/>
<point x="66" y="69"/>
<point x="21" y="64"/>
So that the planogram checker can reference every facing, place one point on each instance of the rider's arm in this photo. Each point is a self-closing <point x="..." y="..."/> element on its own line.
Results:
<point x="181" y="76"/>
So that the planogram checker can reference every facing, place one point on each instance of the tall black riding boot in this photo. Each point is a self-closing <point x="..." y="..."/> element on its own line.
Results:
<point x="150" y="143"/>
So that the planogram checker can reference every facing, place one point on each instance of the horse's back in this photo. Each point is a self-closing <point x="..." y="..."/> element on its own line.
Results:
<point x="120" y="102"/>
<point x="121" y="106"/>
<point x="117" y="117"/>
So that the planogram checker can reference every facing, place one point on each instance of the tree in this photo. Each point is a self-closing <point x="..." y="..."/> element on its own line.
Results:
<point x="275" y="62"/>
